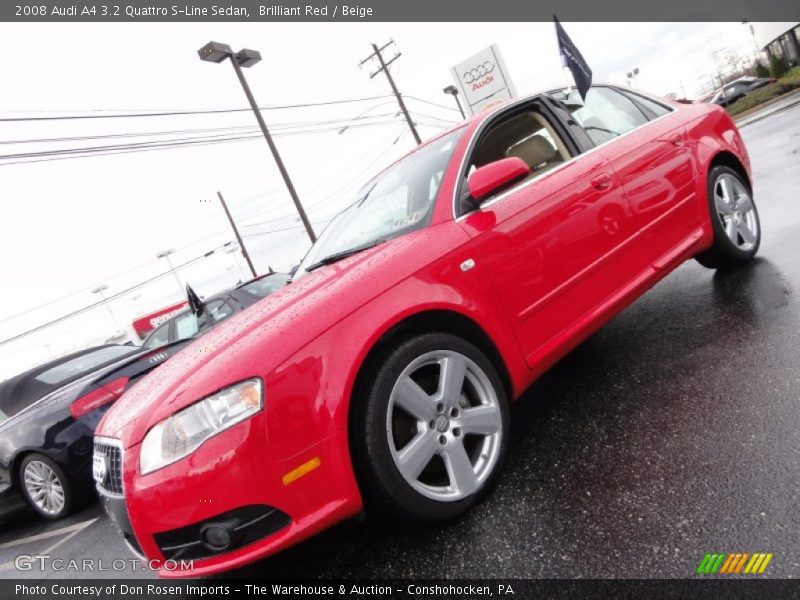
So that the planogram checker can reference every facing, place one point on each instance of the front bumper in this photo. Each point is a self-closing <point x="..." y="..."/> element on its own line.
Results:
<point x="232" y="481"/>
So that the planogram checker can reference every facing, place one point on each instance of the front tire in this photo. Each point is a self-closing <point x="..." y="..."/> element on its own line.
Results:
<point x="46" y="487"/>
<point x="734" y="219"/>
<point x="430" y="432"/>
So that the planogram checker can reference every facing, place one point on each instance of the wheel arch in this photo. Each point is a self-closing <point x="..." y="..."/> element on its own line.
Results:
<point x="442" y="320"/>
<point x="725" y="158"/>
<point x="425" y="320"/>
<point x="16" y="463"/>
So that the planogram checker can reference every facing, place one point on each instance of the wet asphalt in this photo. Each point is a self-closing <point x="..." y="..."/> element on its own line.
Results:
<point x="672" y="432"/>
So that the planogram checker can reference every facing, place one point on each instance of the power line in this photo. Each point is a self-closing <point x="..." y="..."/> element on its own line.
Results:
<point x="326" y="219"/>
<point x="156" y="142"/>
<point x="174" y="113"/>
<point x="280" y="126"/>
<point x="71" y="153"/>
<point x="311" y="191"/>
<point x="430" y="102"/>
<point x="109" y="298"/>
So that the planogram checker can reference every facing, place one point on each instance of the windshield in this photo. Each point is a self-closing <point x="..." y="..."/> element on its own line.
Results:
<point x="397" y="201"/>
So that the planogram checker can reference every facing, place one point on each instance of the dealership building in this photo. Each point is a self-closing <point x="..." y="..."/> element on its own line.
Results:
<point x="779" y="39"/>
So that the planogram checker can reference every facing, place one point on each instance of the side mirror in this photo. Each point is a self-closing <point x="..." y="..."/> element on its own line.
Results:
<point x="496" y="175"/>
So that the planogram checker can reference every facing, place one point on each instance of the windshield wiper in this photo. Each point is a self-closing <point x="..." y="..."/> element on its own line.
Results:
<point x="337" y="256"/>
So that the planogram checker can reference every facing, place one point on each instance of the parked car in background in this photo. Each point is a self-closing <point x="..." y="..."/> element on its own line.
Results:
<point x="735" y="90"/>
<point x="48" y="415"/>
<point x="380" y="378"/>
<point x="188" y="323"/>
<point x="47" y="418"/>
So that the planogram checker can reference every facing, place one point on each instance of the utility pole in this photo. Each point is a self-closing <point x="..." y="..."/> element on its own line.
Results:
<point x="384" y="67"/>
<point x="238" y="237"/>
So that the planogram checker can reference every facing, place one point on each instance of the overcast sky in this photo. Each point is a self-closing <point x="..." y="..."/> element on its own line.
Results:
<point x="70" y="225"/>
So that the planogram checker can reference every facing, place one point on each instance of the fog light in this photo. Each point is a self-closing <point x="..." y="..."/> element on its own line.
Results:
<point x="216" y="537"/>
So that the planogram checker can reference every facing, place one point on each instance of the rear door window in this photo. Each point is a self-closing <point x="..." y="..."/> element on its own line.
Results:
<point x="186" y="326"/>
<point x="159" y="337"/>
<point x="650" y="107"/>
<point x="605" y="114"/>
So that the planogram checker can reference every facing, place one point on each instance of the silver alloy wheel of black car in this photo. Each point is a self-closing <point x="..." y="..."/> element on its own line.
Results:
<point x="44" y="488"/>
<point x="736" y="212"/>
<point x="456" y="425"/>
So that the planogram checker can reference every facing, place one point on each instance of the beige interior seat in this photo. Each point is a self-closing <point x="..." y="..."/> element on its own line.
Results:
<point x="537" y="152"/>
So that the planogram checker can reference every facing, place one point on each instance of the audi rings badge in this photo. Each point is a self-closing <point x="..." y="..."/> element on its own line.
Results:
<point x="478" y="72"/>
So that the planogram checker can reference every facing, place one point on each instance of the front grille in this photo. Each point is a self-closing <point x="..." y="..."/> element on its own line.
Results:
<point x="112" y="483"/>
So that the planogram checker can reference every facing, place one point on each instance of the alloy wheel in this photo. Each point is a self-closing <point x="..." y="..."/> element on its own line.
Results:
<point x="736" y="212"/>
<point x="444" y="425"/>
<point x="44" y="487"/>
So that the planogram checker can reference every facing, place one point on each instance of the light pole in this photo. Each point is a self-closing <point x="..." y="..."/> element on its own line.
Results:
<point x="453" y="91"/>
<point x="165" y="254"/>
<point x="216" y="53"/>
<point x="99" y="290"/>
<point x="632" y="75"/>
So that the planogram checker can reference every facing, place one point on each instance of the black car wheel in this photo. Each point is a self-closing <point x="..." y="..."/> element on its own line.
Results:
<point x="430" y="429"/>
<point x="46" y="487"/>
<point x="734" y="219"/>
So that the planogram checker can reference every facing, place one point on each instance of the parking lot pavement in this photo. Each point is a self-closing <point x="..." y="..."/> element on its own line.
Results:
<point x="672" y="432"/>
<point x="87" y="534"/>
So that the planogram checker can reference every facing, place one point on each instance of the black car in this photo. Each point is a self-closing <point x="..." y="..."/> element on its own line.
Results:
<point x="735" y="90"/>
<point x="216" y="308"/>
<point x="48" y="415"/>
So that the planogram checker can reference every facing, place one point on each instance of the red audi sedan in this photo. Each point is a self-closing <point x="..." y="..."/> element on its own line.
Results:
<point x="379" y="379"/>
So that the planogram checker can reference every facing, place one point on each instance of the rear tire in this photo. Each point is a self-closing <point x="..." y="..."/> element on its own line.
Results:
<point x="430" y="429"/>
<point x="46" y="487"/>
<point x="734" y="219"/>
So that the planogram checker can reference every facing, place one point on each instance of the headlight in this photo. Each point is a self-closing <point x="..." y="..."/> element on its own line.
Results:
<point x="184" y="432"/>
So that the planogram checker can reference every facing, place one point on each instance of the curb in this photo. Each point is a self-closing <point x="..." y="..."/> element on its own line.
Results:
<point x="754" y="114"/>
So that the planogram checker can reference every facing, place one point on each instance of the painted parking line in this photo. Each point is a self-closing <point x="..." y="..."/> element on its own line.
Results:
<point x="70" y="531"/>
<point x="47" y="534"/>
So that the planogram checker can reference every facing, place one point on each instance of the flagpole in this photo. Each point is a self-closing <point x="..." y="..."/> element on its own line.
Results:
<point x="567" y="76"/>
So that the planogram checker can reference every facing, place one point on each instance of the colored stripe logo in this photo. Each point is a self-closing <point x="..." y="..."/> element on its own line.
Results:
<point x="732" y="564"/>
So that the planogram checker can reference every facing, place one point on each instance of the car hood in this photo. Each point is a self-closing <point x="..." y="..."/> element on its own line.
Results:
<point x="261" y="338"/>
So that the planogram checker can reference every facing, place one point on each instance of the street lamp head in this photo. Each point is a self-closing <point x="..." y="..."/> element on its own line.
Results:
<point x="215" y="52"/>
<point x="100" y="288"/>
<point x="247" y="58"/>
<point x="451" y="89"/>
<point x="164" y="253"/>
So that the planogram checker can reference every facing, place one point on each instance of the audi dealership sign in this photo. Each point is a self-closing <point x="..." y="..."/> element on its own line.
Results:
<point x="483" y="80"/>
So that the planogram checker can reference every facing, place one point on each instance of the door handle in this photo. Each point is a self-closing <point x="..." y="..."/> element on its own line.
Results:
<point x="601" y="181"/>
<point x="676" y="139"/>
